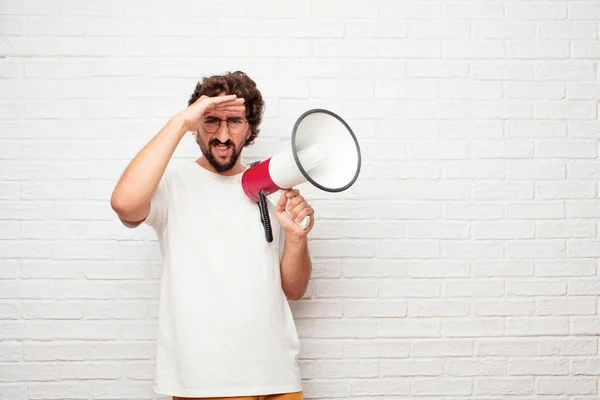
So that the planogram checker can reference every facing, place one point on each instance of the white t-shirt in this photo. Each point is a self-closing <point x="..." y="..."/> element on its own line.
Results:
<point x="225" y="325"/>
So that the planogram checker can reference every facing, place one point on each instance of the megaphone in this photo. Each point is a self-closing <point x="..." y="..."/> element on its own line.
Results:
<point x="324" y="151"/>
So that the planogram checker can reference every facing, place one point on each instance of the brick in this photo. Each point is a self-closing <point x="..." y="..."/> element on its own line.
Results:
<point x="585" y="325"/>
<point x="140" y="370"/>
<point x="539" y="367"/>
<point x="495" y="70"/>
<point x="407" y="249"/>
<point x="39" y="310"/>
<point x="345" y="288"/>
<point x="573" y="306"/>
<point x="473" y="211"/>
<point x="506" y="347"/>
<point x="345" y="329"/>
<point x="409" y="10"/>
<point x="433" y="387"/>
<point x="503" y="268"/>
<point x="472" y="327"/>
<point x="325" y="388"/>
<point x="378" y="348"/>
<point x="526" y="326"/>
<point x="439" y="29"/>
<point x="504" y="386"/>
<point x="476" y="49"/>
<point x="472" y="249"/>
<point x="378" y="387"/>
<point x="475" y="368"/>
<point x="503" y="230"/>
<point x="425" y="348"/>
<point x="120" y="390"/>
<point x="347" y="369"/>
<point x="535" y="91"/>
<point x="121" y="351"/>
<point x="567" y="229"/>
<point x="535" y="210"/>
<point x="536" y="288"/>
<point x="11" y="352"/>
<point x="14" y="372"/>
<point x="504" y="308"/>
<point x="586" y="367"/>
<point x="472" y="288"/>
<point x="537" y="11"/>
<point x="411" y="368"/>
<point x="409" y="288"/>
<point x="567" y="30"/>
<point x="374" y="309"/>
<point x="55" y="351"/>
<point x="437" y="230"/>
<point x="537" y="249"/>
<point x="14" y="391"/>
<point x="569" y="386"/>
<point x="438" y="308"/>
<point x="87" y="370"/>
<point x="459" y="10"/>
<point x="322" y="349"/>
<point x="408" y="328"/>
<point x="572" y="346"/>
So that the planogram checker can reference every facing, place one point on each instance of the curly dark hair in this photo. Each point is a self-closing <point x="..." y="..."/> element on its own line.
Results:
<point x="240" y="84"/>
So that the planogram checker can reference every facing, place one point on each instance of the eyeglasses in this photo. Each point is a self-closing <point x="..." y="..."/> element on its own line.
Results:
<point x="234" y="124"/>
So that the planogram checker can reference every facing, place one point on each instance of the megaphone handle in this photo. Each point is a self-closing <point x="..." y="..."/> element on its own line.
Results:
<point x="305" y="222"/>
<point x="264" y="215"/>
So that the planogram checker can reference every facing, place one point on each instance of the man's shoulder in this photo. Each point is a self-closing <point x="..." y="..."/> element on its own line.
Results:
<point x="181" y="171"/>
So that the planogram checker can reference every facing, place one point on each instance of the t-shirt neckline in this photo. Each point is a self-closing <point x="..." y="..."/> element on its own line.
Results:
<point x="214" y="175"/>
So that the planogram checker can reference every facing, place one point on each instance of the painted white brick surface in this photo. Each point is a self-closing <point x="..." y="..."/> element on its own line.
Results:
<point x="462" y="265"/>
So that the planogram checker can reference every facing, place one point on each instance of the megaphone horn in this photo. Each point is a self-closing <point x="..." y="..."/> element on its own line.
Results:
<point x="324" y="151"/>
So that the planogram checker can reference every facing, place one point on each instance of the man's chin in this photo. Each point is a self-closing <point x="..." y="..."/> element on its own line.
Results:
<point x="220" y="166"/>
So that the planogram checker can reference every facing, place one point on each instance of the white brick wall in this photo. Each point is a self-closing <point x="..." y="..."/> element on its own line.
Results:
<point x="462" y="264"/>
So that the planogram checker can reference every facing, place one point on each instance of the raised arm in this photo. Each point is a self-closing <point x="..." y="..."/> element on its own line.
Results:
<point x="132" y="194"/>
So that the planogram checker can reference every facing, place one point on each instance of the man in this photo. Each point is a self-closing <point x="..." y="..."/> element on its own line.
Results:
<point x="225" y="326"/>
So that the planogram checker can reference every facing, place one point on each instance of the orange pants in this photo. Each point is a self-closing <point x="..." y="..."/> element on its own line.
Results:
<point x="281" y="396"/>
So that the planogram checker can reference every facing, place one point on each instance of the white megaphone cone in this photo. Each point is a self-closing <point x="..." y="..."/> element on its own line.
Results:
<point x="324" y="151"/>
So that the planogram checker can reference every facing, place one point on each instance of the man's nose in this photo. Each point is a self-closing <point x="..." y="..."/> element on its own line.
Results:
<point x="223" y="133"/>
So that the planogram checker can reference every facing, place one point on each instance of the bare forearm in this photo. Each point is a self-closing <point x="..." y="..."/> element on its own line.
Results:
<point x="132" y="194"/>
<point x="296" y="267"/>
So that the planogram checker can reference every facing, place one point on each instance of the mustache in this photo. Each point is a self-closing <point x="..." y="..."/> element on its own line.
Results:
<point x="216" y="142"/>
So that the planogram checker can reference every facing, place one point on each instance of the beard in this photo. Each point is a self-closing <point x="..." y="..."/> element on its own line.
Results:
<point x="207" y="151"/>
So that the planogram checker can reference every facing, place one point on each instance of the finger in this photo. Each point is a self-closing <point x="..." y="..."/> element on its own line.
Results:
<point x="296" y="210"/>
<point x="228" y="104"/>
<point x="292" y="193"/>
<point x="305" y="212"/>
<point x="223" y="99"/>
<point x="230" y="109"/>
<point x="201" y="98"/>
<point x="280" y="205"/>
<point x="293" y="203"/>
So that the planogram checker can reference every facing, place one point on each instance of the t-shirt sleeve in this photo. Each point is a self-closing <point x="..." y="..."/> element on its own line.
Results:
<point x="159" y="206"/>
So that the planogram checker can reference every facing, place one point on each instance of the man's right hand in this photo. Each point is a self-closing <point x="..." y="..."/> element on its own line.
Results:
<point x="193" y="116"/>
